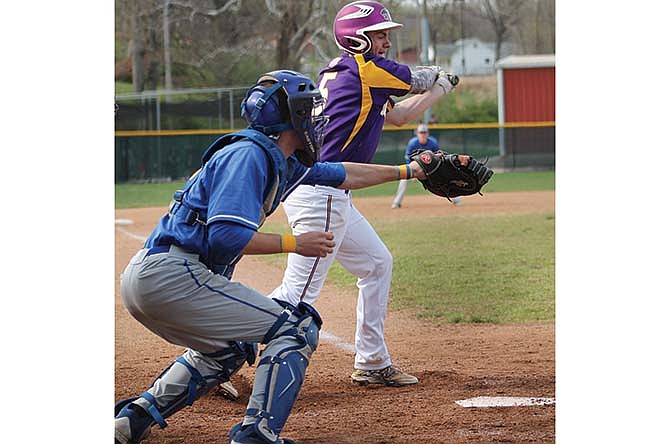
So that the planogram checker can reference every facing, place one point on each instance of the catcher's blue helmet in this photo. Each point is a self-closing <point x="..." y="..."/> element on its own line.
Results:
<point x="282" y="100"/>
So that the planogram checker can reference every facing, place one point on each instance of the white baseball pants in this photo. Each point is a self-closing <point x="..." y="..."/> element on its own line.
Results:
<point x="402" y="187"/>
<point x="360" y="251"/>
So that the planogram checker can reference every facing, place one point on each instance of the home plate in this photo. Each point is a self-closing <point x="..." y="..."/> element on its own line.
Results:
<point x="123" y="222"/>
<point x="504" y="401"/>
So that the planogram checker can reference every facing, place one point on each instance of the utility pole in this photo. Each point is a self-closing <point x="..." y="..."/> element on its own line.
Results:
<point x="166" y="45"/>
<point x="462" y="41"/>
<point x="425" y="43"/>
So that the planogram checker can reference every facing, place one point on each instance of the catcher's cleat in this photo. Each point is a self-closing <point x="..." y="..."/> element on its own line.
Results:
<point x="391" y="376"/>
<point x="247" y="435"/>
<point x="228" y="391"/>
<point x="131" y="425"/>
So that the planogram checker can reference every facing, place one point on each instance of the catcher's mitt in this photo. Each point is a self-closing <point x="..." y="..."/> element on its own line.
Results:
<point x="446" y="177"/>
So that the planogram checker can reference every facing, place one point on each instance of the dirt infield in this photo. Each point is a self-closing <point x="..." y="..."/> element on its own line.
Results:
<point x="453" y="362"/>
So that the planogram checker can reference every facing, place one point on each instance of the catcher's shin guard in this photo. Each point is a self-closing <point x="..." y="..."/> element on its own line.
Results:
<point x="279" y="377"/>
<point x="178" y="386"/>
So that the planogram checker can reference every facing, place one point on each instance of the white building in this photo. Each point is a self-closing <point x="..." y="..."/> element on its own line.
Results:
<point x="471" y="56"/>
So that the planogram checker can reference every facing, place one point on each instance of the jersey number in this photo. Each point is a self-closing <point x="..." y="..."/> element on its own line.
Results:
<point x="322" y="86"/>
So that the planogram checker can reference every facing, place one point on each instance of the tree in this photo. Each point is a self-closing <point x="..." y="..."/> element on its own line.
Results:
<point x="137" y="22"/>
<point x="297" y="23"/>
<point x="502" y="15"/>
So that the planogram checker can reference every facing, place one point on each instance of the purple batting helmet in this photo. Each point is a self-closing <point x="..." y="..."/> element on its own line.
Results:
<point x="357" y="18"/>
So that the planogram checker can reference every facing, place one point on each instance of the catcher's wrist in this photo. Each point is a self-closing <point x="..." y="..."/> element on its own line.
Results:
<point x="288" y="243"/>
<point x="405" y="172"/>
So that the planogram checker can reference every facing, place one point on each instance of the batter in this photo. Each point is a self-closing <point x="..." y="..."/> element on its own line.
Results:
<point x="357" y="88"/>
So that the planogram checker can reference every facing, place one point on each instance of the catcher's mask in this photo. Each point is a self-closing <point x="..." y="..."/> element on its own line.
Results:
<point x="282" y="100"/>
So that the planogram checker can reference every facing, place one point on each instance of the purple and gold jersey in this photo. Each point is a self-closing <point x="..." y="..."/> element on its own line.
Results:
<point x="357" y="90"/>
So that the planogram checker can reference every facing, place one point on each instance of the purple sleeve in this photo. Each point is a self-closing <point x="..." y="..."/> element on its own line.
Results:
<point x="387" y="76"/>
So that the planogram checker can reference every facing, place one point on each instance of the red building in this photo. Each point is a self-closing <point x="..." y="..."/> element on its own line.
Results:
<point x="527" y="107"/>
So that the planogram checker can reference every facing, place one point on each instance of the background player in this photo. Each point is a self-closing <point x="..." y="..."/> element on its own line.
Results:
<point x="357" y="87"/>
<point x="421" y="142"/>
<point x="178" y="285"/>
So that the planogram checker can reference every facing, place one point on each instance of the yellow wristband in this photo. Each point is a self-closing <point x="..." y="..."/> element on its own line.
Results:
<point x="404" y="172"/>
<point x="287" y="243"/>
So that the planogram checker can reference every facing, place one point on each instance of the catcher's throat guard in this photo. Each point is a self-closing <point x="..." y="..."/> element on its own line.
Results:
<point x="447" y="177"/>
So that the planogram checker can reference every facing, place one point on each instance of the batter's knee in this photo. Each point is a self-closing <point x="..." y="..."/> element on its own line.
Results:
<point x="379" y="266"/>
<point x="386" y="260"/>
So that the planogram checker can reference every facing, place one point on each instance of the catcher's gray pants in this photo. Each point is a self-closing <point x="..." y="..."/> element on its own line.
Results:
<point x="178" y="298"/>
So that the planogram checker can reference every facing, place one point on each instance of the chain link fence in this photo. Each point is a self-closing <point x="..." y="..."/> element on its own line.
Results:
<point x="209" y="108"/>
<point x="161" y="136"/>
<point x="145" y="158"/>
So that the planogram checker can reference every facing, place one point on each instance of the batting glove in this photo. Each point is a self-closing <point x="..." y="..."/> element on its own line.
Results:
<point x="446" y="81"/>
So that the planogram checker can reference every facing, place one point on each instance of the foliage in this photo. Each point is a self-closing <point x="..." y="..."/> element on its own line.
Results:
<point x="464" y="107"/>
<point x="228" y="42"/>
<point x="219" y="38"/>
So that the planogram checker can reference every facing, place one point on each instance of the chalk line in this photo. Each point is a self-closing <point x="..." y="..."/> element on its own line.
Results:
<point x="504" y="401"/>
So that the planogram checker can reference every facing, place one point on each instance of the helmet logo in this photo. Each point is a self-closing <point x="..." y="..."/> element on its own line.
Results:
<point x="426" y="158"/>
<point x="386" y="14"/>
<point x="363" y="11"/>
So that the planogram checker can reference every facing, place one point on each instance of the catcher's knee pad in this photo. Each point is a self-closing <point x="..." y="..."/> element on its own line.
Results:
<point x="281" y="372"/>
<point x="232" y="358"/>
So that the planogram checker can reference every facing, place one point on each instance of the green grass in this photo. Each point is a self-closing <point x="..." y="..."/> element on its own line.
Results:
<point x="133" y="195"/>
<point x="123" y="87"/>
<point x="159" y="194"/>
<point x="515" y="181"/>
<point x="480" y="269"/>
<point x="470" y="269"/>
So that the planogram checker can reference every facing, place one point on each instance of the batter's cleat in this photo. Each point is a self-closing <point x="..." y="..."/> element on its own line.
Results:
<point x="228" y="391"/>
<point x="247" y="435"/>
<point x="131" y="425"/>
<point x="394" y="206"/>
<point x="390" y="376"/>
<point x="456" y="201"/>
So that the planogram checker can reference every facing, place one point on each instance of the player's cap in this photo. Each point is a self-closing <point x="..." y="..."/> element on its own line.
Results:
<point x="422" y="128"/>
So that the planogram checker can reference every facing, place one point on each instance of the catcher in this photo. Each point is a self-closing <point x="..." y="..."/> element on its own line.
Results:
<point x="452" y="175"/>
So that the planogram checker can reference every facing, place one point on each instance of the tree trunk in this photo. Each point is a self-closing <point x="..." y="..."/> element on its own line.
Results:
<point x="288" y="56"/>
<point x="499" y="39"/>
<point x="137" y="45"/>
<point x="538" y="36"/>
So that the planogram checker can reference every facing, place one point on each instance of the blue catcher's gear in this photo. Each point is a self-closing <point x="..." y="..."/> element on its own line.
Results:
<point x="282" y="100"/>
<point x="279" y="375"/>
<point x="180" y="384"/>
